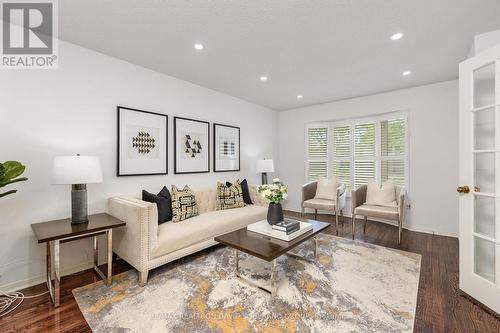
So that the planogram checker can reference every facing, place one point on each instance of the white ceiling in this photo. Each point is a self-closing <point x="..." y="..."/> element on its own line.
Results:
<point x="323" y="49"/>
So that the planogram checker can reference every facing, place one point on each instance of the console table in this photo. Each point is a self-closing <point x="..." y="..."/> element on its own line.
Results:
<point x="60" y="231"/>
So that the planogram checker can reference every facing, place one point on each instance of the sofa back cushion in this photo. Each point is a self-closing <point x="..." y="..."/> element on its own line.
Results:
<point x="206" y="198"/>
<point x="229" y="197"/>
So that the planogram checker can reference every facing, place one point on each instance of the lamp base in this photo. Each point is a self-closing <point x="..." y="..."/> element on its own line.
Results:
<point x="264" y="178"/>
<point x="79" y="204"/>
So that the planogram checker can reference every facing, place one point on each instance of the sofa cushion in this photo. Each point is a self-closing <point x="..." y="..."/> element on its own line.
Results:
<point x="183" y="204"/>
<point x="381" y="212"/>
<point x="246" y="192"/>
<point x="163" y="203"/>
<point x="174" y="236"/>
<point x="229" y="197"/>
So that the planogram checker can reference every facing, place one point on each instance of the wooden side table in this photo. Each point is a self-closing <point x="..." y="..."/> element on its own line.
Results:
<point x="60" y="231"/>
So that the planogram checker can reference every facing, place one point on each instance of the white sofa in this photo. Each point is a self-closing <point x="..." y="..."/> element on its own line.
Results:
<point x="145" y="245"/>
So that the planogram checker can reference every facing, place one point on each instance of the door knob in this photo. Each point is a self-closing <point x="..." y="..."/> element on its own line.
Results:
<point x="463" y="189"/>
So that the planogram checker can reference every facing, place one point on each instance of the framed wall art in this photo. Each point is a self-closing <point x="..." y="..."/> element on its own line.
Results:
<point x="142" y="142"/>
<point x="191" y="146"/>
<point x="226" y="148"/>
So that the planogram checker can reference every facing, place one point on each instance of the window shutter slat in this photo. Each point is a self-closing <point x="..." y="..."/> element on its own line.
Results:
<point x="392" y="137"/>
<point x="317" y="142"/>
<point x="364" y="139"/>
<point x="317" y="151"/>
<point x="341" y="141"/>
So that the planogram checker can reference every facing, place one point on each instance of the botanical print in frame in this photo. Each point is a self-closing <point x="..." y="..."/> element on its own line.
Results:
<point x="191" y="146"/>
<point x="142" y="142"/>
<point x="226" y="148"/>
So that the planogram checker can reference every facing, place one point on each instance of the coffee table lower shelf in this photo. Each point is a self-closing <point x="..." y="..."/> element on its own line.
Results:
<point x="274" y="272"/>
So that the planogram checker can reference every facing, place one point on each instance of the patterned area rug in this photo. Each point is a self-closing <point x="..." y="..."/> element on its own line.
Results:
<point x="352" y="287"/>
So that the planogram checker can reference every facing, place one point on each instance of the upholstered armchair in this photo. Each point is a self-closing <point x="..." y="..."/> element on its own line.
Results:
<point x="335" y="206"/>
<point x="382" y="212"/>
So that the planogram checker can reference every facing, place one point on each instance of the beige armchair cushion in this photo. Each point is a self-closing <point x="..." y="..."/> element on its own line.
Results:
<point x="327" y="188"/>
<point x="387" y="213"/>
<point x="319" y="204"/>
<point x="381" y="196"/>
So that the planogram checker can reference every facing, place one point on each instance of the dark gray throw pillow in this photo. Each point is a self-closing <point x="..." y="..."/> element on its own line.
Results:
<point x="244" y="189"/>
<point x="163" y="202"/>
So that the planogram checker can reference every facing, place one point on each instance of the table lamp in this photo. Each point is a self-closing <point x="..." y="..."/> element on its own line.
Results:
<point x="77" y="171"/>
<point x="264" y="166"/>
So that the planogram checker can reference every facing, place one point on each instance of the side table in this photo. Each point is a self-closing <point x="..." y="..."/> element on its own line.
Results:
<point x="60" y="231"/>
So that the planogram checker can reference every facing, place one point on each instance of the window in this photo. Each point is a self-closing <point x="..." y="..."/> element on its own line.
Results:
<point x="359" y="149"/>
<point x="317" y="152"/>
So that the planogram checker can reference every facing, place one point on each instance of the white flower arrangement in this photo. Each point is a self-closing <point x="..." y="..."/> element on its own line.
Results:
<point x="275" y="192"/>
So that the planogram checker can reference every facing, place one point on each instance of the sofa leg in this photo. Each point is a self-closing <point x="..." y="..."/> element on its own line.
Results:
<point x="353" y="224"/>
<point x="364" y="225"/>
<point x="316" y="214"/>
<point x="143" y="278"/>
<point x="337" y="222"/>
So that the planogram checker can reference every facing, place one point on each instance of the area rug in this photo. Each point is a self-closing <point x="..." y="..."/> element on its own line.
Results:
<point x="352" y="287"/>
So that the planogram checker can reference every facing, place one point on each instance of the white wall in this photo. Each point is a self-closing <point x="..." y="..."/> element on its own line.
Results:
<point x="433" y="123"/>
<point x="71" y="110"/>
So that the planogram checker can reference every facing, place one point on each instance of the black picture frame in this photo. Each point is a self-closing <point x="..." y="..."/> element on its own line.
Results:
<point x="215" y="125"/>
<point x="176" y="171"/>
<point x="119" y="110"/>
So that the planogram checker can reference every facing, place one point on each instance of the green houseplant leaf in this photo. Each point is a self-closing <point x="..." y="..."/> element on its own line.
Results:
<point x="9" y="173"/>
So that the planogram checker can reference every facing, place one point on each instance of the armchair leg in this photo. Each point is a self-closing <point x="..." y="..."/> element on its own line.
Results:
<point x="302" y="212"/>
<point x="364" y="225"/>
<point x="400" y="225"/>
<point x="337" y="222"/>
<point x="342" y="217"/>
<point x="353" y="224"/>
<point x="315" y="214"/>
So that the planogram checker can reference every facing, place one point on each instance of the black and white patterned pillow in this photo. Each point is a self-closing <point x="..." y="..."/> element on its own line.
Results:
<point x="229" y="196"/>
<point x="183" y="204"/>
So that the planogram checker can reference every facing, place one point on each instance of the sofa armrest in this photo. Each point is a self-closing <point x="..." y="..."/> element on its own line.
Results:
<point x="358" y="197"/>
<point x="256" y="197"/>
<point x="135" y="241"/>
<point x="309" y="191"/>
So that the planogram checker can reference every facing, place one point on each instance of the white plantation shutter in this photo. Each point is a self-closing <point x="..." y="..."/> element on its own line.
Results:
<point x="393" y="150"/>
<point x="358" y="150"/>
<point x="341" y="152"/>
<point x="317" y="153"/>
<point x="364" y="153"/>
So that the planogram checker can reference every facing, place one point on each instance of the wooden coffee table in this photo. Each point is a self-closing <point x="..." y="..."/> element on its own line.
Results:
<point x="268" y="248"/>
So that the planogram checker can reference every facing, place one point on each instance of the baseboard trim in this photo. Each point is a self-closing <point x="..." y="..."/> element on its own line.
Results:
<point x="33" y="281"/>
<point x="411" y="228"/>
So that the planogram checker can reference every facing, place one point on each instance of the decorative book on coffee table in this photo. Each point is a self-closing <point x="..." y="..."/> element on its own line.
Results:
<point x="264" y="228"/>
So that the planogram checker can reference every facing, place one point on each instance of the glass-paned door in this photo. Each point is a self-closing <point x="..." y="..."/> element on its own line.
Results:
<point x="479" y="169"/>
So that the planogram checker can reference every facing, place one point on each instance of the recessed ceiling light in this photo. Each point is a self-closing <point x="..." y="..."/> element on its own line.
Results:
<point x="263" y="78"/>
<point x="199" y="46"/>
<point x="406" y="73"/>
<point x="397" y="36"/>
<point x="300" y="96"/>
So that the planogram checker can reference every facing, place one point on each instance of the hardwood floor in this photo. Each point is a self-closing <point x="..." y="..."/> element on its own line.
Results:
<point x="440" y="305"/>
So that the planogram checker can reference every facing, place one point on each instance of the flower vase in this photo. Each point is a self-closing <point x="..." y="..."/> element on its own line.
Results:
<point x="274" y="213"/>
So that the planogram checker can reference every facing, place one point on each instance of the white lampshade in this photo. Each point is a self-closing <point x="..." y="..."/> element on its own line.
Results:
<point x="76" y="170"/>
<point x="265" y="166"/>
